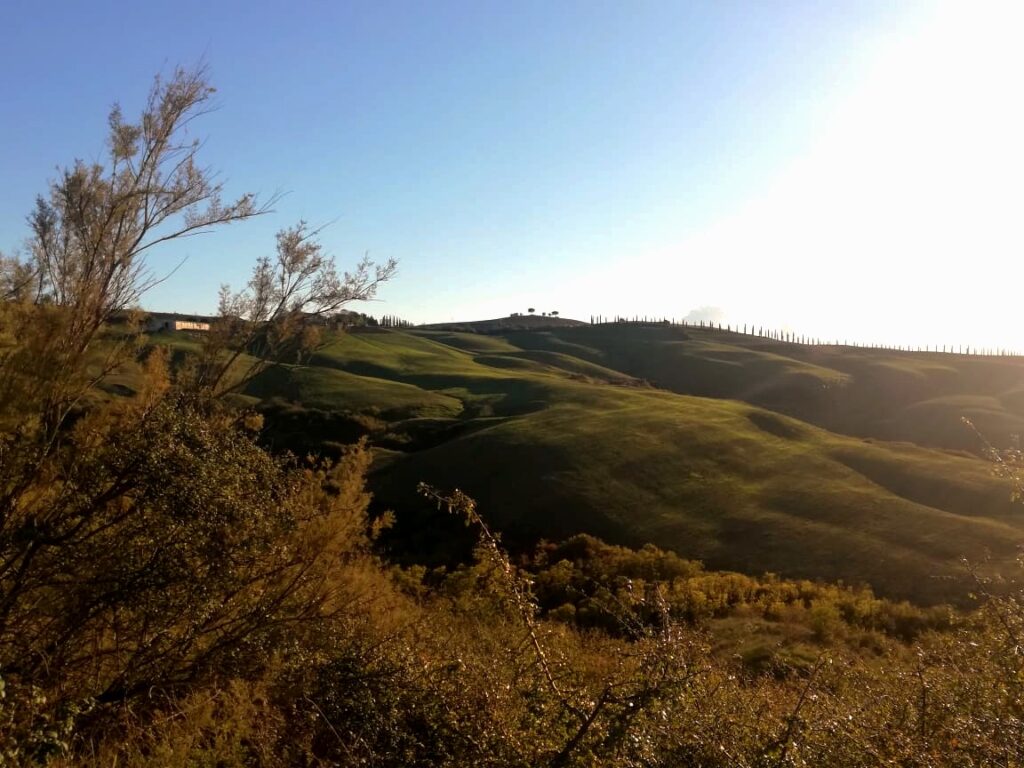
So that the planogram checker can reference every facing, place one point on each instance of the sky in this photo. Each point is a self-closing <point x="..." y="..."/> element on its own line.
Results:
<point x="850" y="171"/>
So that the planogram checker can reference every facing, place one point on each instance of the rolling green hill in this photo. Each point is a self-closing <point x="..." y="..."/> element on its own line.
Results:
<point x="737" y="487"/>
<point x="654" y="434"/>
<point x="890" y="395"/>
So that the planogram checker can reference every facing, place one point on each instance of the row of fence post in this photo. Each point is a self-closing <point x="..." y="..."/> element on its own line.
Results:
<point x="789" y="337"/>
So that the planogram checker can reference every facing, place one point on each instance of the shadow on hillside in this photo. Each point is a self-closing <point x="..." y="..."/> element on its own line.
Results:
<point x="775" y="425"/>
<point x="486" y="396"/>
<point x="924" y="486"/>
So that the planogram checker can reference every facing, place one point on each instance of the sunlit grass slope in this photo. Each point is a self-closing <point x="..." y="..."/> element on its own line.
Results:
<point x="554" y="433"/>
<point x="330" y="389"/>
<point x="735" y="486"/>
<point x="920" y="397"/>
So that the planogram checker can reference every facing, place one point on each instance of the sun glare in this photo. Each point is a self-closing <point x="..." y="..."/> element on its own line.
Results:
<point x="901" y="224"/>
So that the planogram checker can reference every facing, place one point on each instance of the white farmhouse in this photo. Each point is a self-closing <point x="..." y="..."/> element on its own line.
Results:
<point x="159" y="323"/>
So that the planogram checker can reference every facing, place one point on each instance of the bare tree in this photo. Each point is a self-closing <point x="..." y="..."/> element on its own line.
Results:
<point x="277" y="314"/>
<point x="90" y="236"/>
<point x="90" y="523"/>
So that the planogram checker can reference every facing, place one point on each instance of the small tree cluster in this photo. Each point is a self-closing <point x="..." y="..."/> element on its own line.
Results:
<point x="393" y="321"/>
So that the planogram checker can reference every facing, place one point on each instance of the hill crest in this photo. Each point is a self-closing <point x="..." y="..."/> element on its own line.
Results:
<point x="510" y="323"/>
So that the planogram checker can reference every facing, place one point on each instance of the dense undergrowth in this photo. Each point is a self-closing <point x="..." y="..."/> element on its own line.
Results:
<point x="473" y="671"/>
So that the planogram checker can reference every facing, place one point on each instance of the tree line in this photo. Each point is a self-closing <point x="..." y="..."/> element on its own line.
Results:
<point x="791" y="337"/>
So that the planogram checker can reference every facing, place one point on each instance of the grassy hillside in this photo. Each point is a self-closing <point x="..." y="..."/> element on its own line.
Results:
<point x="557" y="432"/>
<point x="737" y="487"/>
<point x="329" y="389"/>
<point x="918" y="397"/>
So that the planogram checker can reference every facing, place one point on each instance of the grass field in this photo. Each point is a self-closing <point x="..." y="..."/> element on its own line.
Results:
<point x="650" y="434"/>
<point x="918" y="397"/>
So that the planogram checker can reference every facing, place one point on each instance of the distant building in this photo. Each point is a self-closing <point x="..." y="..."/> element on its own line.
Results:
<point x="175" y="322"/>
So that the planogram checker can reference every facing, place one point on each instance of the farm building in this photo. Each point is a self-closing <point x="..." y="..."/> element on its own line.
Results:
<point x="175" y="322"/>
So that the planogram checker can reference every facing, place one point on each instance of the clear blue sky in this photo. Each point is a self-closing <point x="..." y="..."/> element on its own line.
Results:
<point x="589" y="157"/>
